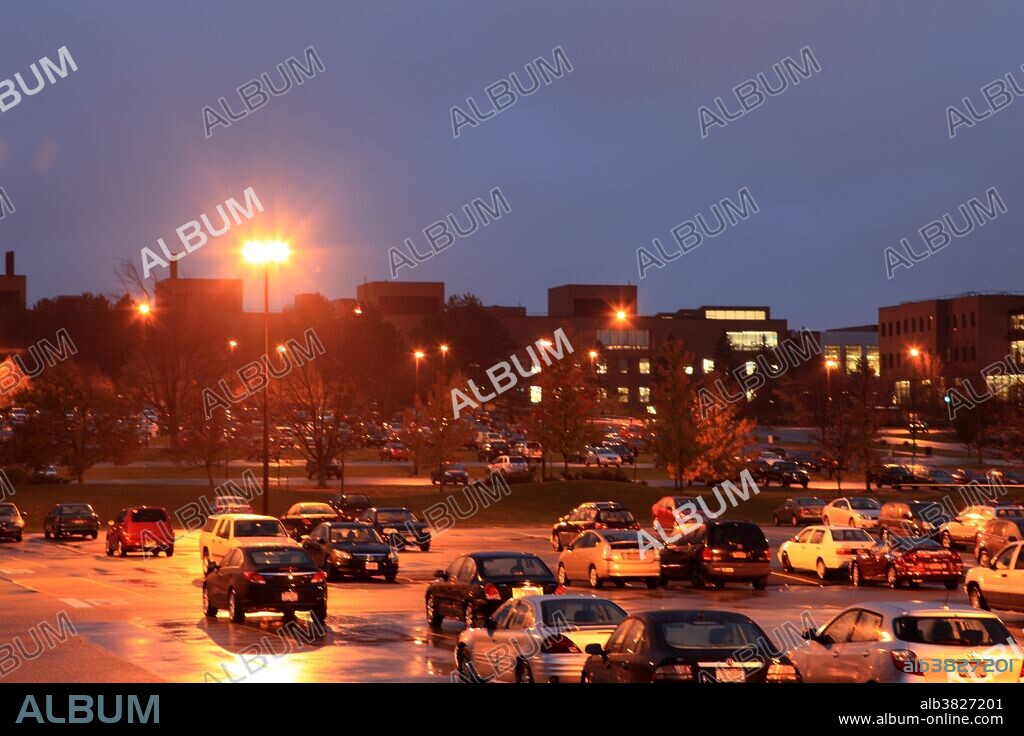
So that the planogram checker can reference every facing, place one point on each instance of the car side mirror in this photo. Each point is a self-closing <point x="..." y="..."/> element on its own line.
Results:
<point x="440" y="574"/>
<point x="992" y="564"/>
<point x="810" y="635"/>
<point x="596" y="650"/>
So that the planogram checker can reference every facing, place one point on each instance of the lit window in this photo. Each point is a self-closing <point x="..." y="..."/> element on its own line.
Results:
<point x="852" y="358"/>
<point x="1017" y="349"/>
<point x="602" y="367"/>
<point x="603" y="393"/>
<point x="832" y="354"/>
<point x="623" y="366"/>
<point x="623" y="394"/>
<point x="1017" y="322"/>
<point x="624" y="339"/>
<point x="751" y="366"/>
<point x="752" y="339"/>
<point x="707" y="365"/>
<point x="651" y="409"/>
<point x="645" y="366"/>
<point x="873" y="359"/>
<point x="758" y="314"/>
<point x="644" y="393"/>
<point x="535" y="394"/>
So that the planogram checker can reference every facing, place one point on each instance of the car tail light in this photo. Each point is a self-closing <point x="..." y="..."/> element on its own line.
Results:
<point x="491" y="592"/>
<point x="766" y="554"/>
<point x="634" y="526"/>
<point x="600" y="525"/>
<point x="906" y="661"/>
<point x="307" y="522"/>
<point x="778" y="672"/>
<point x="559" y="645"/>
<point x="847" y="551"/>
<point x="706" y="553"/>
<point x="254" y="577"/>
<point x="320" y="577"/>
<point x="560" y="589"/>
<point x="676" y="672"/>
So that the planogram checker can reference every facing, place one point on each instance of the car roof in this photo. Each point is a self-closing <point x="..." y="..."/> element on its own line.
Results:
<point x="348" y="525"/>
<point x="921" y="608"/>
<point x="390" y="508"/>
<point x="495" y="555"/>
<point x="664" y="617"/>
<point x="246" y="517"/>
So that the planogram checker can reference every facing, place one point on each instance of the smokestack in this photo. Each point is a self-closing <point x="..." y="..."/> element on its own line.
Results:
<point x="9" y="263"/>
<point x="174" y="269"/>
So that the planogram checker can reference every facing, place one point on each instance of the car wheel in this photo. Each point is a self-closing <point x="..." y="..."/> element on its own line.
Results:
<point x="523" y="673"/>
<point x="425" y="547"/>
<point x="983" y="558"/>
<point x="804" y="485"/>
<point x="760" y="583"/>
<point x="46" y="532"/>
<point x="319" y="614"/>
<point x="94" y="535"/>
<point x="697" y="578"/>
<point x="469" y="615"/>
<point x="109" y="550"/>
<point x="891" y="579"/>
<point x="619" y="583"/>
<point x="464" y="665"/>
<point x="785" y="563"/>
<point x="556" y="542"/>
<point x="208" y="608"/>
<point x="235" y="610"/>
<point x="652" y="583"/>
<point x="855" y="579"/>
<point x="947" y="541"/>
<point x="390" y="577"/>
<point x="119" y="548"/>
<point x="594" y="579"/>
<point x="793" y="521"/>
<point x="563" y="579"/>
<point x="819" y="567"/>
<point x="434" y="617"/>
<point x="775" y="520"/>
<point x="976" y="599"/>
<point x="169" y="551"/>
<point x="206" y="562"/>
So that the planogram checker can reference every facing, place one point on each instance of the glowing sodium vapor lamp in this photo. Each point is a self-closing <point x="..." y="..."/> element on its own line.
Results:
<point x="144" y="309"/>
<point x="593" y="354"/>
<point x="545" y="343"/>
<point x="831" y="363"/>
<point x="265" y="251"/>
<point x="419" y="354"/>
<point x="232" y="344"/>
<point x="620" y="315"/>
<point x="444" y="348"/>
<point x="914" y="352"/>
<point x="281" y="349"/>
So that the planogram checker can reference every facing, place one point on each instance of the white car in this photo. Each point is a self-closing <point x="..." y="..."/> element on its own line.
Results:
<point x="598" y="555"/>
<point x="232" y="505"/>
<point x="602" y="456"/>
<point x="905" y="641"/>
<point x="509" y="465"/>
<point x="537" y="638"/>
<point x="1000" y="584"/>
<point x="224" y="532"/>
<point x="856" y="512"/>
<point x="823" y="549"/>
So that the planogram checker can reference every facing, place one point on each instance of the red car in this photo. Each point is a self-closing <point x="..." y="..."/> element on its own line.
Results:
<point x="143" y="529"/>
<point x="394" y="451"/>
<point x="907" y="560"/>
<point x="661" y="511"/>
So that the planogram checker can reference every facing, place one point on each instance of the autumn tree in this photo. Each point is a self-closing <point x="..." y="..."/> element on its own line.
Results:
<point x="675" y="399"/>
<point x="722" y="436"/>
<point x="863" y="391"/>
<point x="437" y="434"/>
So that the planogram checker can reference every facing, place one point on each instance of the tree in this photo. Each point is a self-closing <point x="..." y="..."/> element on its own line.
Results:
<point x="437" y="434"/>
<point x="206" y="443"/>
<point x="863" y="391"/>
<point x="721" y="436"/>
<point x="676" y="402"/>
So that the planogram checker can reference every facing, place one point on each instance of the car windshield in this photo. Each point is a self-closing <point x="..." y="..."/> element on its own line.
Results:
<point x="951" y="631"/>
<point x="75" y="508"/>
<point x="617" y="517"/>
<point x="788" y="466"/>
<point x="803" y="501"/>
<point x="356" y="535"/>
<point x="150" y="515"/>
<point x="581" y="612"/>
<point x="395" y="517"/>
<point x="266" y="528"/>
<point x="453" y="466"/>
<point x="279" y="558"/>
<point x="519" y="566"/>
<point x="864" y="504"/>
<point x="622" y="536"/>
<point x="850" y="535"/>
<point x="709" y="634"/>
<point x="315" y="509"/>
<point x="8" y="510"/>
<point x="927" y="508"/>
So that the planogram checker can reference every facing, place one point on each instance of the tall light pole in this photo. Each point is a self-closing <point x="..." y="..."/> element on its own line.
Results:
<point x="264" y="253"/>
<point x="915" y="355"/>
<point x="418" y="356"/>
<point x="593" y="357"/>
<point x="444" y="359"/>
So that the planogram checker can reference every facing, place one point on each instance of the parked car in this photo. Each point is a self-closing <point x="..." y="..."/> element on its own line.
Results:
<point x="622" y="450"/>
<point x="349" y="505"/>
<point x="265" y="577"/>
<point x="895" y="476"/>
<point x="996" y="534"/>
<point x="532" y="451"/>
<point x="823" y="549"/>
<point x="1010" y="477"/>
<point x="965" y="476"/>
<point x="935" y="477"/>
<point x="805" y="460"/>
<point x="452" y="473"/>
<point x="12" y="522"/>
<point x="223" y="533"/>
<point x="902" y="641"/>
<point x="600" y="456"/>
<point x="591" y="515"/>
<point x="902" y="561"/>
<point x="614" y="555"/>
<point x="857" y="512"/>
<point x="232" y="505"/>
<point x="145" y="529"/>
<point x="302" y="517"/>
<point x="510" y="466"/>
<point x="912" y="519"/>
<point x="786" y="473"/>
<point x="663" y="512"/>
<point x="474" y="585"/>
<point x="963" y="529"/>
<point x="332" y="469"/>
<point x="687" y="646"/>
<point x="349" y="548"/>
<point x="67" y="519"/>
<point x="549" y="632"/>
<point x="394" y="451"/>
<point x="799" y="510"/>
<point x="492" y="450"/>
<point x="1000" y="582"/>
<point x="719" y="552"/>
<point x="398" y="526"/>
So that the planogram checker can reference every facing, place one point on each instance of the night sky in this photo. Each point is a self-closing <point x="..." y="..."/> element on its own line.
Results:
<point x="594" y="165"/>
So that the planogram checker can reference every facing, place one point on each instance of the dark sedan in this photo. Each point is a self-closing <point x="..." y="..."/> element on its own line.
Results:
<point x="266" y="577"/>
<point x="474" y="585"/>
<point x="996" y="534"/>
<point x="786" y="473"/>
<point x="302" y="517"/>
<point x="688" y="646"/>
<point x="356" y="550"/>
<point x="12" y="523"/>
<point x="67" y="519"/>
<point x="895" y="476"/>
<point x="349" y="505"/>
<point x="911" y="560"/>
<point x="451" y="473"/>
<point x="799" y="510"/>
<point x="399" y="527"/>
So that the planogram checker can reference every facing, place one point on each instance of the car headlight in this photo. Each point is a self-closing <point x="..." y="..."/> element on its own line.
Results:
<point x="342" y="555"/>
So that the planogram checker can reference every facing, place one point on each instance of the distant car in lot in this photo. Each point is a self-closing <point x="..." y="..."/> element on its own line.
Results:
<point x="1010" y="477"/>
<point x="906" y="561"/>
<point x="608" y="555"/>
<point x="532" y="451"/>
<point x="719" y="552"/>
<point x="266" y="577"/>
<point x="551" y="632"/>
<point x="770" y="457"/>
<point x="622" y="450"/>
<point x="348" y="548"/>
<point x="302" y="517"/>
<point x="996" y="534"/>
<point x="223" y="533"/>
<point x="349" y="505"/>
<point x="963" y="529"/>
<point x="912" y="519"/>
<point x="491" y="450"/>
<point x="895" y="476"/>
<point x="935" y="477"/>
<point x="663" y="512"/>
<point x="902" y="641"/>
<point x="591" y="515"/>
<point x="799" y="510"/>
<point x="71" y="519"/>
<point x="232" y="505"/>
<point x="857" y="512"/>
<point x="600" y="456"/>
<point x="394" y="451"/>
<point x="332" y="469"/>
<point x="805" y="460"/>
<point x="510" y="466"/>
<point x="474" y="585"/>
<point x="823" y="549"/>
<point x="786" y="473"/>
<point x="1000" y="582"/>
<point x="12" y="522"/>
<point x="452" y="473"/>
<point x="696" y="646"/>
<point x="145" y="529"/>
<point x="46" y="473"/>
<point x="965" y="475"/>
<point x="398" y="526"/>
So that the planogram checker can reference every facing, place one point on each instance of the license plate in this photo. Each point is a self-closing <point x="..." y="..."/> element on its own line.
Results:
<point x="631" y="555"/>
<point x="728" y="569"/>
<point x="526" y="590"/>
<point x="739" y="555"/>
<point x="729" y="674"/>
<point x="374" y="565"/>
<point x="289" y="596"/>
<point x="935" y="566"/>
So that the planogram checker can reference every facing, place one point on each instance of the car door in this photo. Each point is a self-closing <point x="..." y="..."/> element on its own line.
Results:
<point x="797" y="549"/>
<point x="857" y="656"/>
<point x="445" y="592"/>
<point x="463" y="587"/>
<point x="819" y="659"/>
<point x="839" y="513"/>
<point x="316" y="545"/>
<point x="218" y="581"/>
<point x="575" y="560"/>
<point x="999" y="592"/>
<point x="608" y="668"/>
<point x="516" y="636"/>
<point x="810" y="550"/>
<point x="117" y="531"/>
<point x="484" y="642"/>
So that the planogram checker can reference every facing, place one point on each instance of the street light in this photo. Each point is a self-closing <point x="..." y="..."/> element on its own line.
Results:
<point x="620" y="315"/>
<point x="444" y="359"/>
<point x="418" y="355"/>
<point x="264" y="253"/>
<point x="144" y="309"/>
<point x="830" y="365"/>
<point x="593" y="357"/>
<point x="232" y="344"/>
<point x="915" y="354"/>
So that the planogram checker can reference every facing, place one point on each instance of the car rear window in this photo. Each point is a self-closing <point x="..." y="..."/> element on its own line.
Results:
<point x="149" y="515"/>
<point x="617" y="517"/>
<point x="279" y="558"/>
<point x="512" y="567"/>
<point x="851" y="535"/>
<point x="951" y="631"/>
<point x="745" y="534"/>
<point x="259" y="529"/>
<point x="76" y="508"/>
<point x="803" y="501"/>
<point x="581" y="612"/>
<point x="7" y="510"/>
<point x="709" y="634"/>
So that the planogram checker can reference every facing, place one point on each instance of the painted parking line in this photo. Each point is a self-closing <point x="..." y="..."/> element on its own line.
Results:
<point x="16" y="570"/>
<point x="92" y="602"/>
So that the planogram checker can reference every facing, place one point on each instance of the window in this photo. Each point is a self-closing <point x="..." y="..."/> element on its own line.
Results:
<point x="624" y="339"/>
<point x="868" y="627"/>
<point x="634" y="641"/>
<point x="832" y="353"/>
<point x="1017" y="322"/>
<point x="707" y="365"/>
<point x="623" y="394"/>
<point x="222" y="530"/>
<point x="644" y="394"/>
<point x="752" y="339"/>
<point x="872" y="356"/>
<point x="841" y="628"/>
<point x="645" y="366"/>
<point x="972" y="319"/>
<point x="1003" y="561"/>
<point x="688" y="370"/>
<point x="502" y="615"/>
<point x="614" y="644"/>
<point x="536" y="394"/>
<point x="623" y="366"/>
<point x="758" y="314"/>
<point x="816" y="537"/>
<point x="602" y="367"/>
<point x="852" y="358"/>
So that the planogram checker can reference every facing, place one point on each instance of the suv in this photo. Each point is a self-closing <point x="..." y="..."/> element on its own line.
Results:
<point x="896" y="476"/>
<point x="719" y="551"/>
<point x="349" y="505"/>
<point x="911" y="519"/>
<point x="66" y="519"/>
<point x="142" y="529"/>
<point x="511" y="466"/>
<point x="965" y="527"/>
<point x="996" y="534"/>
<point x="591" y="515"/>
<point x="532" y="451"/>
<point x="223" y="533"/>
<point x="786" y="473"/>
